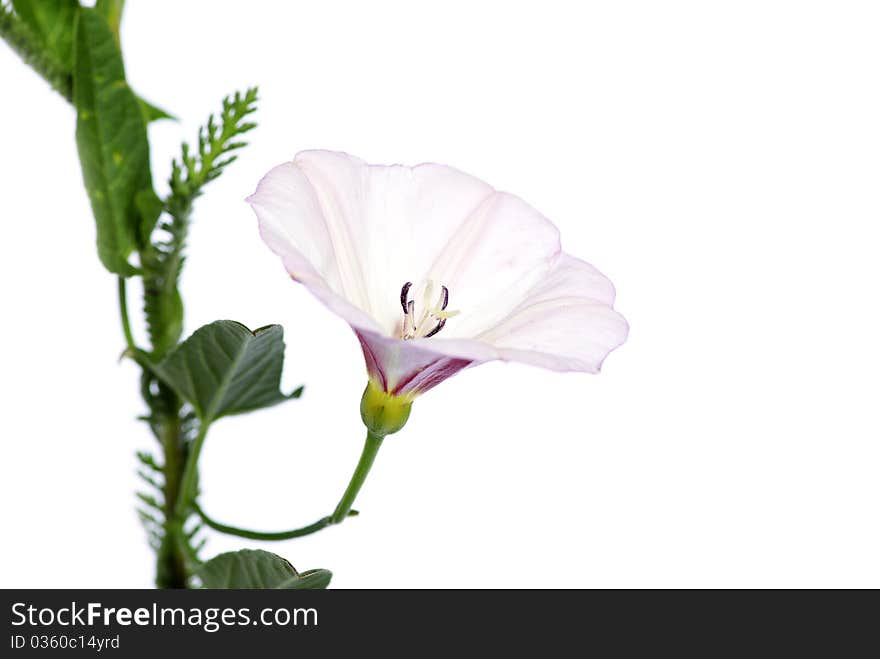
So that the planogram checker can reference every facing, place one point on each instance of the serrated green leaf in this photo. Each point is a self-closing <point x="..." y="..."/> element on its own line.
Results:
<point x="197" y="167"/>
<point x="111" y="137"/>
<point x="224" y="368"/>
<point x="52" y="21"/>
<point x="258" y="569"/>
<point x="150" y="501"/>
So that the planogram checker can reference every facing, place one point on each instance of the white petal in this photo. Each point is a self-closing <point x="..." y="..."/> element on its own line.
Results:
<point x="355" y="233"/>
<point x="492" y="261"/>
<point x="293" y="225"/>
<point x="365" y="230"/>
<point x="565" y="323"/>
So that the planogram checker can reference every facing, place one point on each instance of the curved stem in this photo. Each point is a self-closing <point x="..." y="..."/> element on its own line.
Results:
<point x="123" y="312"/>
<point x="343" y="509"/>
<point x="189" y="482"/>
<point x="261" y="535"/>
<point x="371" y="448"/>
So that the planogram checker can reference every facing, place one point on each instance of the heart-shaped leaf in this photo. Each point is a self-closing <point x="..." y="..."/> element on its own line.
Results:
<point x="256" y="569"/>
<point x="224" y="368"/>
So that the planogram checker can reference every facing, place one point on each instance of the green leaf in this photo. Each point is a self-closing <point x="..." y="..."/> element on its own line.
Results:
<point x="216" y="143"/>
<point x="111" y="10"/>
<point x="224" y="368"/>
<point x="52" y="21"/>
<point x="257" y="569"/>
<point x="152" y="112"/>
<point x="111" y="136"/>
<point x="309" y="580"/>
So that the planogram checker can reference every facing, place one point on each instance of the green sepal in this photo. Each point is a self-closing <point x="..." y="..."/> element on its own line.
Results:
<point x="383" y="413"/>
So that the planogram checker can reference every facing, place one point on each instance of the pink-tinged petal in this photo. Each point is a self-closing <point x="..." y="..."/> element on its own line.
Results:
<point x="354" y="233"/>
<point x="566" y="322"/>
<point x="404" y="369"/>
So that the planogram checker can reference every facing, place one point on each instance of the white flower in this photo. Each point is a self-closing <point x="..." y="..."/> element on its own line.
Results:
<point x="434" y="269"/>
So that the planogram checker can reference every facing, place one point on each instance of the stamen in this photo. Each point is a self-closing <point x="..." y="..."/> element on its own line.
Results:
<point x="430" y="315"/>
<point x="437" y="328"/>
<point x="403" y="294"/>
<point x="409" y="328"/>
<point x="427" y="294"/>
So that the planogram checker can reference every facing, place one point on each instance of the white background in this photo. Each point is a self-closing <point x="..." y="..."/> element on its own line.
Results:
<point x="718" y="161"/>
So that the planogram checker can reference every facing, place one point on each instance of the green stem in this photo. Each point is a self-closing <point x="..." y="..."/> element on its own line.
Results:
<point x="371" y="448"/>
<point x="172" y="562"/>
<point x="261" y="535"/>
<point x="123" y="312"/>
<point x="189" y="482"/>
<point x="186" y="495"/>
<point x="343" y="509"/>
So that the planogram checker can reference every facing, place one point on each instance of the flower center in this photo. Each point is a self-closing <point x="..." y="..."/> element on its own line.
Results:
<point x="432" y="317"/>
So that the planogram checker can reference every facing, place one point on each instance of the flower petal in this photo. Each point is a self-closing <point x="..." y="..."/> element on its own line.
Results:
<point x="565" y="323"/>
<point x="404" y="369"/>
<point x="361" y="231"/>
<point x="292" y="224"/>
<point x="355" y="233"/>
<point x="492" y="261"/>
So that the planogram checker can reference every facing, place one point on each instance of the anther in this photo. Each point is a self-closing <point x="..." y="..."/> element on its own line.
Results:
<point x="403" y="294"/>
<point x="436" y="329"/>
<point x="431" y="319"/>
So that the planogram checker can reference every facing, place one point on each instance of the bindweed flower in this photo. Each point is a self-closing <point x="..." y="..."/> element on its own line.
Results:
<point x="435" y="271"/>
